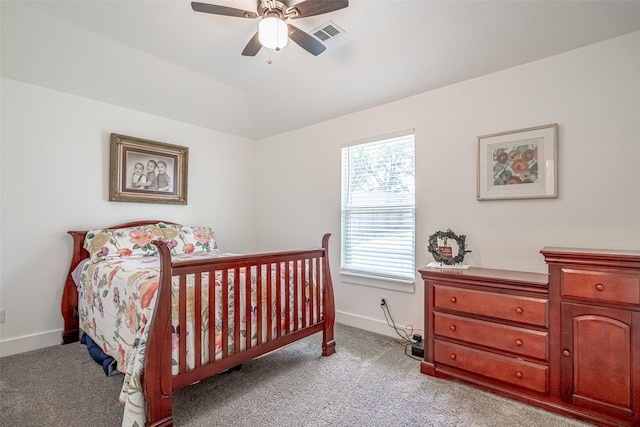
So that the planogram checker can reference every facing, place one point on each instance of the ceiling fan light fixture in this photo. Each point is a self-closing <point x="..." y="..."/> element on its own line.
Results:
<point x="273" y="32"/>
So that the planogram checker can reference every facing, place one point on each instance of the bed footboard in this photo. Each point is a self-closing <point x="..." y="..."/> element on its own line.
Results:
<point x="279" y="298"/>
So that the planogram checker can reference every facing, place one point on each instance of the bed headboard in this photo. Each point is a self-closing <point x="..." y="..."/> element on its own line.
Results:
<point x="70" y="293"/>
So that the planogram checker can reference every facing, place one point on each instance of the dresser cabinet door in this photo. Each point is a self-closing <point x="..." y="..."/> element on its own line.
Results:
<point x="598" y="369"/>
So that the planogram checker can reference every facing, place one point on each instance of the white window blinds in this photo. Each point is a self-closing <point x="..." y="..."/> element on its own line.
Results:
<point x="378" y="207"/>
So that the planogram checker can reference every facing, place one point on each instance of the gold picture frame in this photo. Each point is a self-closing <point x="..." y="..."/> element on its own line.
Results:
<point x="144" y="171"/>
<point x="519" y="164"/>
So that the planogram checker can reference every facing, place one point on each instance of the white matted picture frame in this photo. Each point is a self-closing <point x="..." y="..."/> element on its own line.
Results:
<point x="145" y="171"/>
<point x="519" y="164"/>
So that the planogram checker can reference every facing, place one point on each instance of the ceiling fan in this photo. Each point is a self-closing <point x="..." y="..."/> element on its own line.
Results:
<point x="273" y="30"/>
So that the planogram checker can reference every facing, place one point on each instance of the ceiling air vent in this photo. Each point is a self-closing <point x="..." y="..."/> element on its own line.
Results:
<point x="327" y="31"/>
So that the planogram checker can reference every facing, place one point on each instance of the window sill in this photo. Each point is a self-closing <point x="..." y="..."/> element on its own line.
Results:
<point x="378" y="282"/>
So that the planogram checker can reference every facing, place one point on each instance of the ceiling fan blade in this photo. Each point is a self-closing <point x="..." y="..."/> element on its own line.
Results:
<point x="306" y="41"/>
<point x="318" y="7"/>
<point x="253" y="47"/>
<point x="222" y="10"/>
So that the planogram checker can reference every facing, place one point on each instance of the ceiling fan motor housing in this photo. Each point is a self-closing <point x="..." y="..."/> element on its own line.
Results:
<point x="276" y="8"/>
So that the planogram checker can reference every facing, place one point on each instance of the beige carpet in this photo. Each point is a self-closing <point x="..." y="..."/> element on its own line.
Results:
<point x="369" y="382"/>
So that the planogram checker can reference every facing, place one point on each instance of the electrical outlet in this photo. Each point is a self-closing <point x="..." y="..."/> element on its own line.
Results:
<point x="1" y="315"/>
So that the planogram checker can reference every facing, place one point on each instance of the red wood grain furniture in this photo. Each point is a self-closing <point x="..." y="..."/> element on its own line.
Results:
<point x="568" y="341"/>
<point x="158" y="381"/>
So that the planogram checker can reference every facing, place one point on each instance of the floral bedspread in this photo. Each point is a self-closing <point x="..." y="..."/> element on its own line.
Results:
<point x="116" y="300"/>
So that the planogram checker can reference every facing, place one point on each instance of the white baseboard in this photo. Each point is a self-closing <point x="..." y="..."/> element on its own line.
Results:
<point x="368" y="324"/>
<point x="50" y="338"/>
<point x="30" y="342"/>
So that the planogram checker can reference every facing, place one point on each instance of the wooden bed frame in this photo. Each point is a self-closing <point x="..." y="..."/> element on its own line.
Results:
<point x="158" y="381"/>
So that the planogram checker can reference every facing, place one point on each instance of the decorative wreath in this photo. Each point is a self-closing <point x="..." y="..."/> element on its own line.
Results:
<point x="446" y="235"/>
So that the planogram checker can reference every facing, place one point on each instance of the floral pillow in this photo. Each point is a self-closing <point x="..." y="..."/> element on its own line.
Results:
<point x="119" y="242"/>
<point x="183" y="239"/>
<point x="122" y="242"/>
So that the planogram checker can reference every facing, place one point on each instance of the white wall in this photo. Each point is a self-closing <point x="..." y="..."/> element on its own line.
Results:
<point x="592" y="93"/>
<point x="54" y="178"/>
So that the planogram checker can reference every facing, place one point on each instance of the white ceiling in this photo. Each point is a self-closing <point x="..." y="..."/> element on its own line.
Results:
<point x="163" y="58"/>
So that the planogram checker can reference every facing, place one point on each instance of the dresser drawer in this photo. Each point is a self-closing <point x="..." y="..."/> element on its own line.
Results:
<point x="600" y="286"/>
<point x="525" y="342"/>
<point x="502" y="306"/>
<point x="529" y="375"/>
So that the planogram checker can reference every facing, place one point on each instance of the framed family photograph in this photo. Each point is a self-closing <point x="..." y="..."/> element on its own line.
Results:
<point x="146" y="171"/>
<point x="520" y="164"/>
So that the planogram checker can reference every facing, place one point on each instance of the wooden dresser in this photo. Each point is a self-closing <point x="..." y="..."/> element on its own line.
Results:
<point x="567" y="342"/>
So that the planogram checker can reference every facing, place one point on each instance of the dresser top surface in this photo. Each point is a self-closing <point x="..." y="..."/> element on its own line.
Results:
<point x="588" y="251"/>
<point x="626" y="259"/>
<point x="488" y="275"/>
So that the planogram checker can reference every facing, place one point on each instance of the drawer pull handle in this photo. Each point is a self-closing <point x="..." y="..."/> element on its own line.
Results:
<point x="453" y="299"/>
<point x="566" y="353"/>
<point x="519" y="374"/>
<point x="453" y="356"/>
<point x="519" y="310"/>
<point x="600" y="287"/>
<point x="519" y="342"/>
<point x="453" y="328"/>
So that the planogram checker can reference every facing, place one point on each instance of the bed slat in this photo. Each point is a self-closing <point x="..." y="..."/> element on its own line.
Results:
<point x="312" y="274"/>
<point x="182" y="324"/>
<point x="259" y="305"/>
<point x="248" y="312"/>
<point x="270" y="336"/>
<point x="278" y="300"/>
<point x="211" y="316"/>
<point x="284" y="282"/>
<point x="296" y="295"/>
<point x="198" y="333"/>
<point x="236" y="310"/>
<point x="225" y="313"/>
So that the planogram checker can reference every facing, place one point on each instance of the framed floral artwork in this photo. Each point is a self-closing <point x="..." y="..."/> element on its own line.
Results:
<point x="146" y="171"/>
<point x="520" y="164"/>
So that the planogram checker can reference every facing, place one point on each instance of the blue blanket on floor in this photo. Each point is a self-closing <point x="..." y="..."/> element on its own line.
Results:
<point x="107" y="362"/>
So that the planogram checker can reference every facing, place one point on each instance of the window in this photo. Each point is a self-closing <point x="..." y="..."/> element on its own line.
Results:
<point x="378" y="207"/>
